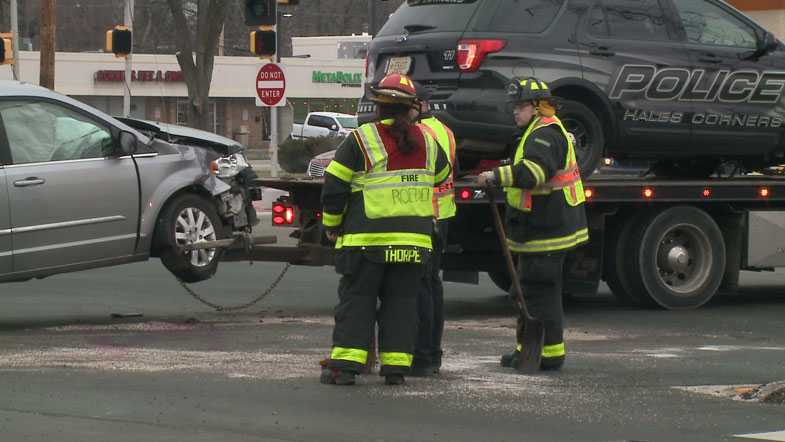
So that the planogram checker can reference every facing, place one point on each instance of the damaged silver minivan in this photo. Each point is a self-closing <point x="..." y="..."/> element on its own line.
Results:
<point x="80" y="189"/>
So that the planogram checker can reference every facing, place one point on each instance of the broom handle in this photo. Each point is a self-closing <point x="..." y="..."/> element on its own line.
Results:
<point x="497" y="221"/>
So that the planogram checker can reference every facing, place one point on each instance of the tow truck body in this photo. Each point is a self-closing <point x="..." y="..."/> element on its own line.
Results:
<point x="656" y="242"/>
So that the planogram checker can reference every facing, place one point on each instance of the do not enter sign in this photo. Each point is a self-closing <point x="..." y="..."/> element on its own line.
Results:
<point x="270" y="86"/>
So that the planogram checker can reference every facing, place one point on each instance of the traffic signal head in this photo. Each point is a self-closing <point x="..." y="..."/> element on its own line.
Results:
<point x="119" y="41"/>
<point x="260" y="12"/>
<point x="263" y="43"/>
<point x="6" y="49"/>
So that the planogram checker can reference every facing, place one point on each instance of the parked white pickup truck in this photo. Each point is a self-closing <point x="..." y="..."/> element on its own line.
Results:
<point x="324" y="124"/>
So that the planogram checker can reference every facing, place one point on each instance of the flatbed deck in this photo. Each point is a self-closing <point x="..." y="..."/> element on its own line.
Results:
<point x="602" y="188"/>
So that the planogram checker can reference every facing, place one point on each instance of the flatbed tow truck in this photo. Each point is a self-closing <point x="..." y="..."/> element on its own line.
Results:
<point x="667" y="243"/>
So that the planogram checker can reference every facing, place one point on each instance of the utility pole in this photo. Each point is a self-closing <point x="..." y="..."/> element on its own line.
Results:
<point x="128" y="21"/>
<point x="48" y="23"/>
<point x="274" y="109"/>
<point x="15" y="35"/>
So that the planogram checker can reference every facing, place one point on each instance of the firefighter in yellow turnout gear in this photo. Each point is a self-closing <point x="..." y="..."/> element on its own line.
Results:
<point x="377" y="207"/>
<point x="545" y="213"/>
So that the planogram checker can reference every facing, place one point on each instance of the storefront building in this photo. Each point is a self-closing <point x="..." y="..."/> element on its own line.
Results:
<point x="159" y="92"/>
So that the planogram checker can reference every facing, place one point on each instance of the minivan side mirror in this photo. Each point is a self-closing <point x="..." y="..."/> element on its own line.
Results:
<point x="127" y="143"/>
<point x="334" y="127"/>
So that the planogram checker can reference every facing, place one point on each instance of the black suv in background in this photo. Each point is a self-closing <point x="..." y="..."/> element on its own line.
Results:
<point x="688" y="84"/>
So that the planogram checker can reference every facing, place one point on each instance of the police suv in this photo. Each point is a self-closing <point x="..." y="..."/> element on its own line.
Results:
<point x="687" y="84"/>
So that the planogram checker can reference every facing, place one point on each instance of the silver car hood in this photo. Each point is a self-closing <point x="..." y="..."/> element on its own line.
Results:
<point x="185" y="135"/>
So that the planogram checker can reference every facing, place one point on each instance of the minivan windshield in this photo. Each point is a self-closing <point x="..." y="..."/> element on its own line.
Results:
<point x="431" y="16"/>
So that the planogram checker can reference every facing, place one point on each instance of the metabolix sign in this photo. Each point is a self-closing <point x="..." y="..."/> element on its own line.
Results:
<point x="348" y="79"/>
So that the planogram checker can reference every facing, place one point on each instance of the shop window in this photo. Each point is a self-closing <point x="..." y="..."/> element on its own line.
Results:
<point x="182" y="112"/>
<point x="217" y="115"/>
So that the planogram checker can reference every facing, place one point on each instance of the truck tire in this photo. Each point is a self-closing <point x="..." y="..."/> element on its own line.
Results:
<point x="616" y="272"/>
<point x="680" y="258"/>
<point x="186" y="219"/>
<point x="587" y="129"/>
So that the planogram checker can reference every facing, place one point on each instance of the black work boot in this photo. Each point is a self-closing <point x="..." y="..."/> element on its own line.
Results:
<point x="334" y="376"/>
<point x="394" y="379"/>
<point x="510" y="359"/>
<point x="421" y="368"/>
<point x="551" y="364"/>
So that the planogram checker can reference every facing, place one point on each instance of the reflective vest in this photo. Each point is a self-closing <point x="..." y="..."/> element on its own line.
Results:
<point x="568" y="179"/>
<point x="386" y="194"/>
<point x="444" y="194"/>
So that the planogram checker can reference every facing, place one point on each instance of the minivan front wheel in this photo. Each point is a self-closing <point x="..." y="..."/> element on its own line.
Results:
<point x="186" y="220"/>
<point x="587" y="129"/>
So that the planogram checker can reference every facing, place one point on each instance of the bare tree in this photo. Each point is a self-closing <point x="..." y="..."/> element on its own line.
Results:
<point x="199" y="24"/>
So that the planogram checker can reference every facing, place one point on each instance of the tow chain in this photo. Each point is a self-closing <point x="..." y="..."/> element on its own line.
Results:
<point x="233" y="308"/>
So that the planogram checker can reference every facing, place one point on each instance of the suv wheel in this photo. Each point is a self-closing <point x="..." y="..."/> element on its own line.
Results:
<point x="587" y="129"/>
<point x="189" y="219"/>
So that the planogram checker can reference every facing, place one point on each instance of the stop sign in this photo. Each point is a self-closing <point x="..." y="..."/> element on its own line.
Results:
<point x="270" y="86"/>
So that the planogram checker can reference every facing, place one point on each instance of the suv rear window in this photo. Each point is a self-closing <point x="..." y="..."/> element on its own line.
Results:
<point x="431" y="15"/>
<point x="524" y="16"/>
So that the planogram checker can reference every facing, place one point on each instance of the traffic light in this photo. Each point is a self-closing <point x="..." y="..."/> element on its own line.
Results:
<point x="263" y="43"/>
<point x="260" y="12"/>
<point x="119" y="41"/>
<point x="288" y="2"/>
<point x="6" y="48"/>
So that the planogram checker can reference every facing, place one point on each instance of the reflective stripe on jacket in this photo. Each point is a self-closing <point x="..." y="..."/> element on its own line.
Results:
<point x="444" y="194"/>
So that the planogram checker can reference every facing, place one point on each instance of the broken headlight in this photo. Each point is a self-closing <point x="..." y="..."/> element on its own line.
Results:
<point x="229" y="166"/>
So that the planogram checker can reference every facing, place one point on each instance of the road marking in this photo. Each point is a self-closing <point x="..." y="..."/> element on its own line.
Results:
<point x="776" y="436"/>
<point x="737" y="348"/>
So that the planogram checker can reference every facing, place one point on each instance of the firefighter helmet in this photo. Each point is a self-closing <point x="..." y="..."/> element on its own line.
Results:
<point x="394" y="89"/>
<point x="527" y="89"/>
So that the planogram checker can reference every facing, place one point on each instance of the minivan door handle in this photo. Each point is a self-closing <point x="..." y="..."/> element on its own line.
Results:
<point x="28" y="182"/>
<point x="602" y="51"/>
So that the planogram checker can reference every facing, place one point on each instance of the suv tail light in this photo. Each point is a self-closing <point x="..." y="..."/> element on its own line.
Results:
<point x="471" y="53"/>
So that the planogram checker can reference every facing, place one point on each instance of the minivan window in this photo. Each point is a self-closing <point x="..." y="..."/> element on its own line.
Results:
<point x="629" y="20"/>
<point x="708" y="24"/>
<point x="40" y="132"/>
<point x="524" y="16"/>
<point x="417" y="16"/>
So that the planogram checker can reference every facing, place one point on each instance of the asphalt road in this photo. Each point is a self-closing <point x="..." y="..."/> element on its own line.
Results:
<point x="71" y="372"/>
